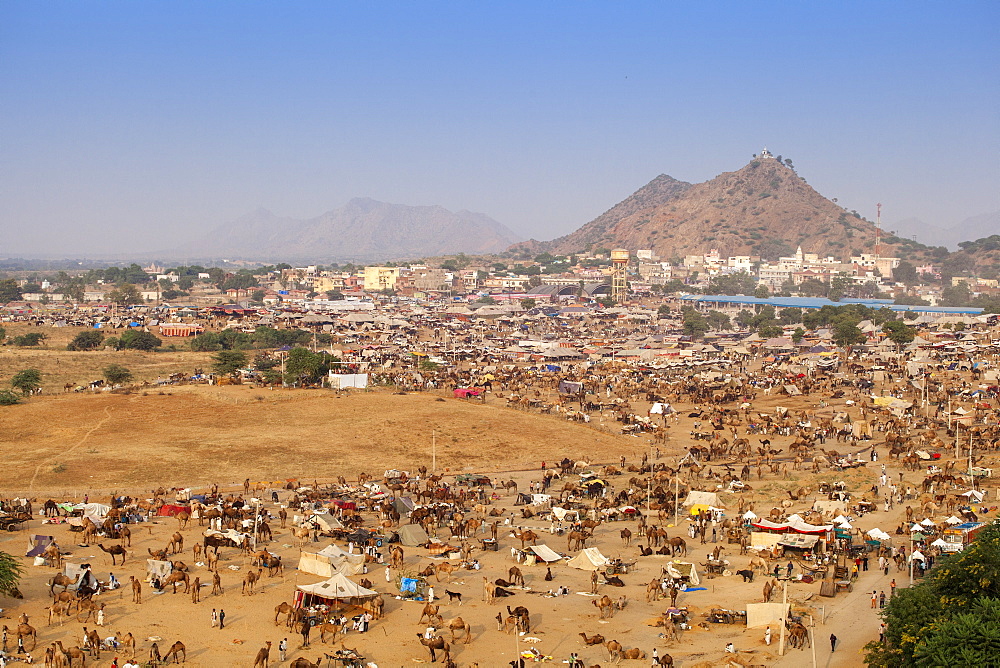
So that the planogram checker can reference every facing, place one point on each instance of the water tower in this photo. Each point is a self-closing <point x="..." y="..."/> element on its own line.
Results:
<point x="619" y="275"/>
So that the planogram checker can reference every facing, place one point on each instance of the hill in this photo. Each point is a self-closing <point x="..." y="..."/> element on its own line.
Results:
<point x="764" y="208"/>
<point x="361" y="230"/>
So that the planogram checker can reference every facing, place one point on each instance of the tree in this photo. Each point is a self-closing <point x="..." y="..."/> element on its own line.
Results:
<point x="8" y="398"/>
<point x="334" y="295"/>
<point x="846" y="333"/>
<point x="3" y="334"/>
<point x="744" y="318"/>
<point x="304" y="366"/>
<point x="125" y="294"/>
<point x="257" y="296"/>
<point x="27" y="380"/>
<point x="956" y="295"/>
<point x="228" y="362"/>
<point x="10" y="572"/>
<point x="899" y="332"/>
<point x="88" y="340"/>
<point x="528" y="303"/>
<point x="798" y="334"/>
<point x="790" y="316"/>
<point x="116" y="374"/>
<point x="486" y="299"/>
<point x="761" y="291"/>
<point x="9" y="292"/>
<point x="695" y="325"/>
<point x="29" y="339"/>
<point x="718" y="320"/>
<point x="133" y="340"/>
<point x="969" y="638"/>
<point x="906" y="273"/>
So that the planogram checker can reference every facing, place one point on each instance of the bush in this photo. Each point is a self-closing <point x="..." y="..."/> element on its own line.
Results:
<point x="8" y="398"/>
<point x="116" y="374"/>
<point x="27" y="380"/>
<point x="89" y="340"/>
<point x="29" y="339"/>
<point x="133" y="340"/>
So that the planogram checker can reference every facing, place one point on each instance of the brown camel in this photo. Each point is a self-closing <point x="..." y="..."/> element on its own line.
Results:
<point x="114" y="551"/>
<point x="182" y="519"/>
<point x="176" y="544"/>
<point x="73" y="653"/>
<point x="515" y="577"/>
<point x="127" y="640"/>
<point x="596" y="639"/>
<point x="605" y="605"/>
<point x="176" y="650"/>
<point x="302" y="662"/>
<point x="175" y="578"/>
<point x="216" y="584"/>
<point x="136" y="589"/>
<point x="59" y="580"/>
<point x="459" y="624"/>
<point x="25" y="630"/>
<point x="434" y="644"/>
<point x="429" y="610"/>
<point x="283" y="609"/>
<point x="196" y="591"/>
<point x="250" y="580"/>
<point x="262" y="655"/>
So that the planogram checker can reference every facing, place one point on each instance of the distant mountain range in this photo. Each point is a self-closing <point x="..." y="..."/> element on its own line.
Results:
<point x="363" y="230"/>
<point x="970" y="229"/>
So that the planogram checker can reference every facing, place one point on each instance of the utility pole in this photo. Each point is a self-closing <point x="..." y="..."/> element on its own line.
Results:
<point x="784" y="616"/>
<point x="434" y="457"/>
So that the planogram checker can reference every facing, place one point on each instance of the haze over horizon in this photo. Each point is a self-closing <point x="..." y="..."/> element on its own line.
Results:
<point x="134" y="127"/>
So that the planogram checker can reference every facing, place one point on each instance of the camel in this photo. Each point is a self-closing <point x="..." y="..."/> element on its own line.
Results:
<point x="396" y="557"/>
<point x="176" y="544"/>
<point x="283" y="609"/>
<point x="89" y="607"/>
<point x="489" y="591"/>
<point x="577" y="537"/>
<point x="212" y="559"/>
<point x="597" y="639"/>
<point x="328" y="627"/>
<point x="60" y="580"/>
<point x="216" y="584"/>
<point x="250" y="580"/>
<point x="182" y="520"/>
<point x="176" y="650"/>
<point x="126" y="640"/>
<point x="459" y="624"/>
<point x="196" y="550"/>
<point x="525" y="536"/>
<point x="176" y="577"/>
<point x="196" y="591"/>
<point x="58" y="609"/>
<point x="678" y="545"/>
<point x="614" y="649"/>
<point x="429" y="610"/>
<point x="159" y="555"/>
<point x="634" y="653"/>
<point x="377" y="607"/>
<point x="515" y="576"/>
<point x="73" y="653"/>
<point x="302" y="535"/>
<point x="605" y="605"/>
<point x="136" y="589"/>
<point x="262" y="655"/>
<point x="125" y="536"/>
<point x="114" y="551"/>
<point x="52" y="556"/>
<point x="154" y="654"/>
<point x="92" y="642"/>
<point x="436" y="643"/>
<point x="302" y="662"/>
<point x="25" y="630"/>
<point x="444" y="568"/>
<point x="626" y="535"/>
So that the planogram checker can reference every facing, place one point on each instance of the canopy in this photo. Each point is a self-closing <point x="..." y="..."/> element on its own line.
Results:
<point x="798" y="540"/>
<point x="331" y="560"/>
<point x="338" y="587"/>
<point x="589" y="559"/>
<point x="878" y="534"/>
<point x="793" y="523"/>
<point x="939" y="543"/>
<point x="974" y="494"/>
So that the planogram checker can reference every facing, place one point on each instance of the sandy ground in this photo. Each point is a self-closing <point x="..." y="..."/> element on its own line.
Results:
<point x="64" y="446"/>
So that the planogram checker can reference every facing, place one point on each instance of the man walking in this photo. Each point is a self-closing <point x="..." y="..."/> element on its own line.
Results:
<point x="222" y="618"/>
<point x="833" y="643"/>
<point x="282" y="648"/>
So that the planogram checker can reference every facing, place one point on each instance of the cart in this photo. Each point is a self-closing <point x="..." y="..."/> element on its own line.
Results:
<point x="12" y="522"/>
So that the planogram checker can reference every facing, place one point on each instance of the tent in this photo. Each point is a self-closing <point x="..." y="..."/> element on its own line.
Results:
<point x="589" y="559"/>
<point x="412" y="535"/>
<point x="703" y="498"/>
<point x="157" y="568"/>
<point x="170" y="509"/>
<point x="331" y="560"/>
<point x="545" y="553"/>
<point x="765" y="614"/>
<point x="337" y="588"/>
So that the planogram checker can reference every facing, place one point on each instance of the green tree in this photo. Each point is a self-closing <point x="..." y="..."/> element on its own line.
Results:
<point x="899" y="332"/>
<point x="528" y="303"/>
<point x="718" y="320"/>
<point x="905" y="273"/>
<point x="846" y="333"/>
<point x="27" y="380"/>
<point x="790" y="316"/>
<point x="798" y="334"/>
<point x="228" y="362"/>
<point x="3" y="334"/>
<point x="135" y="340"/>
<point x="116" y="374"/>
<point x="306" y="367"/>
<point x="744" y="318"/>
<point x="694" y="325"/>
<point x="257" y="296"/>
<point x="956" y="295"/>
<point x="334" y="295"/>
<point x="486" y="299"/>
<point x="969" y="638"/>
<point x="125" y="294"/>
<point x="9" y="292"/>
<point x="88" y="340"/>
<point x="10" y="573"/>
<point x="761" y="291"/>
<point x="8" y="398"/>
<point x="28" y="340"/>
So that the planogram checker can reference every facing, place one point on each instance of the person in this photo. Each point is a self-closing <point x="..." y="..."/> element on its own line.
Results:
<point x="215" y="618"/>
<point x="222" y="618"/>
<point x="114" y="664"/>
<point x="881" y="600"/>
<point x="767" y="636"/>
<point x="730" y="649"/>
<point x="874" y="599"/>
<point x="656" y="658"/>
<point x="833" y="643"/>
<point x="892" y="588"/>
<point x="113" y="582"/>
<point x="430" y="594"/>
<point x="788" y="570"/>
<point x="20" y="645"/>
<point x="366" y="619"/>
<point x="100" y="615"/>
<point x="388" y="574"/>
<point x="282" y="648"/>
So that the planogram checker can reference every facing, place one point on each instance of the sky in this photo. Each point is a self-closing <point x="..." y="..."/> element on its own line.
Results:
<point x="137" y="126"/>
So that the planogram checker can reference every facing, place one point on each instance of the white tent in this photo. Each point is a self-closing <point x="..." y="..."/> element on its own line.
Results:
<point x="589" y="559"/>
<point x="545" y="553"/>
<point x="703" y="498"/>
<point x="679" y="569"/>
<point x="918" y="555"/>
<point x="953" y="520"/>
<point x="331" y="560"/>
<point x="338" y="587"/>
<point x="974" y="495"/>
<point x="878" y="534"/>
<point x="939" y="543"/>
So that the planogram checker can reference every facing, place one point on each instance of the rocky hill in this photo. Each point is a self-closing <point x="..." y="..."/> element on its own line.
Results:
<point x="361" y="230"/>
<point x="763" y="209"/>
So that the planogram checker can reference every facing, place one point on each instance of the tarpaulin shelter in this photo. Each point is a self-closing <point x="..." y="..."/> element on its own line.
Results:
<point x="683" y="569"/>
<point x="412" y="535"/>
<point x="793" y="524"/>
<point x="157" y="568"/>
<point x="171" y="509"/>
<point x="767" y="614"/>
<point x="703" y="498"/>
<point x="331" y="560"/>
<point x="38" y="545"/>
<point x="589" y="559"/>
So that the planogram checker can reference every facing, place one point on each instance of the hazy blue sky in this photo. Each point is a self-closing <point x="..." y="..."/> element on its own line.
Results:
<point x="135" y="125"/>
